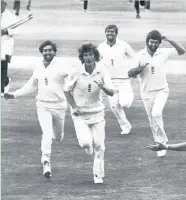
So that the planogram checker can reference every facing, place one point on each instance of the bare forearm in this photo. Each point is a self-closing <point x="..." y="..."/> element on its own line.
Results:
<point x="177" y="147"/>
<point x="108" y="91"/>
<point x="70" y="99"/>
<point x="135" y="71"/>
<point x="178" y="47"/>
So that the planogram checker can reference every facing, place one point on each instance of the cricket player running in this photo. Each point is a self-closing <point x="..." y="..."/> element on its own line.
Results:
<point x="83" y="92"/>
<point x="151" y="67"/>
<point x="48" y="79"/>
<point x="115" y="53"/>
<point x="7" y="44"/>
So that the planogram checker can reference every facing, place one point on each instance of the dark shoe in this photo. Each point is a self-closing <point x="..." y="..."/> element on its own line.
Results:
<point x="47" y="170"/>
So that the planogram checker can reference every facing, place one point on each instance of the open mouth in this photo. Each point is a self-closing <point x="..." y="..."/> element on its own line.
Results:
<point x="48" y="56"/>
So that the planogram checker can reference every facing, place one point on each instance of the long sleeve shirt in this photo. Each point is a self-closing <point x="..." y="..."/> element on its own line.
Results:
<point x="7" y="41"/>
<point x="49" y="83"/>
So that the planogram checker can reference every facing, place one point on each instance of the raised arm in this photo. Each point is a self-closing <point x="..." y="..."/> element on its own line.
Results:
<point x="180" y="49"/>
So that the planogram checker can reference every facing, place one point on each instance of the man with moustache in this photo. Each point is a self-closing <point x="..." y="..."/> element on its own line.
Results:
<point x="115" y="53"/>
<point x="48" y="80"/>
<point x="151" y="67"/>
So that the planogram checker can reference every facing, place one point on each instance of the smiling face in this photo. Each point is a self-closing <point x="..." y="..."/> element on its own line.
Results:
<point x="48" y="53"/>
<point x="153" y="45"/>
<point x="111" y="35"/>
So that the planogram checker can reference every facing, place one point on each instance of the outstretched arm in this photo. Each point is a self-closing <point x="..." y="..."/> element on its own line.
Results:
<point x="174" y="147"/>
<point x="28" y="88"/>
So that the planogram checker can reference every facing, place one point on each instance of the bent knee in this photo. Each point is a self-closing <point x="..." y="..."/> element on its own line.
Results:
<point x="99" y="147"/>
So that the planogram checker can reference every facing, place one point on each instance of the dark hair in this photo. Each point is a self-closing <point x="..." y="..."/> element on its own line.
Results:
<point x="154" y="35"/>
<point x="88" y="48"/>
<point x="112" y="26"/>
<point x="46" y="43"/>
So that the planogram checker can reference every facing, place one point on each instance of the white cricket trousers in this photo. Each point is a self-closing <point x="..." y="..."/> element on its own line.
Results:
<point x="123" y="97"/>
<point x="52" y="125"/>
<point x="154" y="106"/>
<point x="92" y="134"/>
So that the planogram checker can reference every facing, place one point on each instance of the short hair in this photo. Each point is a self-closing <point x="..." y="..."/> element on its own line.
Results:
<point x="112" y="26"/>
<point x="154" y="35"/>
<point x="88" y="48"/>
<point x="46" y="43"/>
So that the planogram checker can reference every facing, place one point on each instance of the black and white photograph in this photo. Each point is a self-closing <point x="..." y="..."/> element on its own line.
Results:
<point x="93" y="100"/>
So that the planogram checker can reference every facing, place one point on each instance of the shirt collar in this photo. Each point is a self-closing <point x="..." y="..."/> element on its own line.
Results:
<point x="95" y="71"/>
<point x="117" y="42"/>
<point x="145" y="52"/>
<point x="51" y="63"/>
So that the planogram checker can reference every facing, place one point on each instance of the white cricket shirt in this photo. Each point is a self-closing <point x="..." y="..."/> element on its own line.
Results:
<point x="7" y="41"/>
<point x="49" y="82"/>
<point x="153" y="77"/>
<point x="86" y="93"/>
<point x="116" y="58"/>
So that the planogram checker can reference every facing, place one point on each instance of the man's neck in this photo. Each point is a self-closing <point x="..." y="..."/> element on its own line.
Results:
<point x="90" y="69"/>
<point x="151" y="52"/>
<point x="46" y="63"/>
<point x="111" y="43"/>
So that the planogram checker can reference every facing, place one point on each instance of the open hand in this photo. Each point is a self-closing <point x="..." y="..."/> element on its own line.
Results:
<point x="157" y="146"/>
<point x="99" y="83"/>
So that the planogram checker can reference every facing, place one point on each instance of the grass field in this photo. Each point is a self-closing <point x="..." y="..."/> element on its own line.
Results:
<point x="132" y="171"/>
